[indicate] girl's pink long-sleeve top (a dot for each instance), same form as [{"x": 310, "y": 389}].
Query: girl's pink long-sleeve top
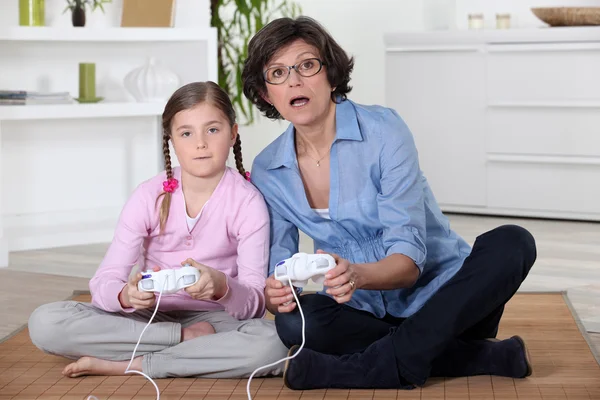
[{"x": 231, "y": 235}]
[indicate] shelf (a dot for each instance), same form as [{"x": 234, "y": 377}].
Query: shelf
[
  {"x": 460, "y": 37},
  {"x": 65, "y": 111},
  {"x": 111, "y": 34}
]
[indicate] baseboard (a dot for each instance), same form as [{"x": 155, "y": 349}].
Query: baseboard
[
  {"x": 58, "y": 229},
  {"x": 520, "y": 213},
  {"x": 592, "y": 324}
]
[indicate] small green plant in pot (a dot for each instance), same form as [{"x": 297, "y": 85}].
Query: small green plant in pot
[{"x": 77, "y": 8}]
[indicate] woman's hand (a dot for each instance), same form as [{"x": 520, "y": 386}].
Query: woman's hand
[
  {"x": 131, "y": 297},
  {"x": 341, "y": 280},
  {"x": 277, "y": 294},
  {"x": 212, "y": 284}
]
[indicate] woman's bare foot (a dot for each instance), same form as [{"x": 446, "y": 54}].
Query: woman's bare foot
[
  {"x": 96, "y": 366},
  {"x": 196, "y": 330}
]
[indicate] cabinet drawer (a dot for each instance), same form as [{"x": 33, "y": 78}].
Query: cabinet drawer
[
  {"x": 544, "y": 186},
  {"x": 543, "y": 130},
  {"x": 543, "y": 73}
]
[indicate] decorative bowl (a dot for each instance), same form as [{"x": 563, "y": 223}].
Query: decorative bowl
[{"x": 568, "y": 16}]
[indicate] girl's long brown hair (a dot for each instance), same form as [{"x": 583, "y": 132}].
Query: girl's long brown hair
[{"x": 184, "y": 98}]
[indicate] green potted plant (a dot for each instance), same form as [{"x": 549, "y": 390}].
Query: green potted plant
[
  {"x": 237, "y": 21},
  {"x": 77, "y": 8}
]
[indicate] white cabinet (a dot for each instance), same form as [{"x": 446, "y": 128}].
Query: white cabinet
[
  {"x": 506, "y": 122},
  {"x": 433, "y": 97}
]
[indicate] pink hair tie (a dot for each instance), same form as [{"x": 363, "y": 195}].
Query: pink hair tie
[
  {"x": 248, "y": 176},
  {"x": 170, "y": 185}
]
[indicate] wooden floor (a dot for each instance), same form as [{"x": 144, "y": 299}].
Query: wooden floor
[{"x": 563, "y": 368}]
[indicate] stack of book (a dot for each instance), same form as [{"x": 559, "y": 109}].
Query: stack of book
[{"x": 24, "y": 97}]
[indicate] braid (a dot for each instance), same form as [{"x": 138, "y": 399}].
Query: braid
[
  {"x": 167, "y": 155},
  {"x": 166, "y": 203},
  {"x": 237, "y": 152}
]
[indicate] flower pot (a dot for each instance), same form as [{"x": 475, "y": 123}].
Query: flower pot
[{"x": 78, "y": 16}]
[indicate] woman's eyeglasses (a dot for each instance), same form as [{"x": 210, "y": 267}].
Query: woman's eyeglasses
[{"x": 277, "y": 75}]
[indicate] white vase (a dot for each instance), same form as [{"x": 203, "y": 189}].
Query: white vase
[{"x": 151, "y": 82}]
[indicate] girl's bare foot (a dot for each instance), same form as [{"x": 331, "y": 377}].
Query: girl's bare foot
[
  {"x": 196, "y": 330},
  {"x": 96, "y": 366}
]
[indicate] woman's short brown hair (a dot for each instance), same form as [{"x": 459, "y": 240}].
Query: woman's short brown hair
[{"x": 281, "y": 32}]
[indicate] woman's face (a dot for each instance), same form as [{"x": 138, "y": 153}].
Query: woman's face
[{"x": 299, "y": 99}]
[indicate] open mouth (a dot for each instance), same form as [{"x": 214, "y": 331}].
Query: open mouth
[{"x": 299, "y": 101}]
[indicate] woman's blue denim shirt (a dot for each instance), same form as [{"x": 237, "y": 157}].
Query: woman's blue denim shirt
[{"x": 380, "y": 203}]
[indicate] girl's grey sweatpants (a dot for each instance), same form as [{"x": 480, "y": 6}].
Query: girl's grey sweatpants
[{"x": 73, "y": 329}]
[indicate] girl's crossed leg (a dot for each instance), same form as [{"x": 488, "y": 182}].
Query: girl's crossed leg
[{"x": 176, "y": 344}]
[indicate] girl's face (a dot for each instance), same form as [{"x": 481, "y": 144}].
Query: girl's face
[
  {"x": 202, "y": 137},
  {"x": 300, "y": 100}
]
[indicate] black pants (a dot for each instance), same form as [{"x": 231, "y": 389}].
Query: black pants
[{"x": 468, "y": 307}]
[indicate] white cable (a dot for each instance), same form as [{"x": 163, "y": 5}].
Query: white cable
[
  {"x": 127, "y": 370},
  {"x": 286, "y": 358}
]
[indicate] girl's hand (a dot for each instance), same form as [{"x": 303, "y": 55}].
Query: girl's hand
[
  {"x": 212, "y": 284},
  {"x": 277, "y": 295},
  {"x": 131, "y": 297},
  {"x": 341, "y": 280}
]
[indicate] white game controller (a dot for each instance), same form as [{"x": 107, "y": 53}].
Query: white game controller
[
  {"x": 302, "y": 266},
  {"x": 173, "y": 280}
]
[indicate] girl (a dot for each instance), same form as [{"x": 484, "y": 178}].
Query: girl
[{"x": 202, "y": 213}]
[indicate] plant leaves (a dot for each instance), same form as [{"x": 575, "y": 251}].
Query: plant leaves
[{"x": 235, "y": 28}]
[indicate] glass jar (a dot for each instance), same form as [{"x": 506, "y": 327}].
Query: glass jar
[
  {"x": 502, "y": 21},
  {"x": 475, "y": 21}
]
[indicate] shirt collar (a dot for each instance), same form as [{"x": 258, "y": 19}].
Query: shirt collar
[{"x": 347, "y": 128}]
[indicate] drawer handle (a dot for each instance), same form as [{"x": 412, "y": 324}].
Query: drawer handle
[{"x": 541, "y": 159}]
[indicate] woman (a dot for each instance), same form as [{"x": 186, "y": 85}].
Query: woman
[{"x": 408, "y": 299}]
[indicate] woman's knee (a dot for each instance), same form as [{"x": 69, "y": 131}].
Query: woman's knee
[
  {"x": 519, "y": 239},
  {"x": 45, "y": 328},
  {"x": 318, "y": 310},
  {"x": 514, "y": 243}
]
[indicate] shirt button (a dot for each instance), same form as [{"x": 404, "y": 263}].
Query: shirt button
[
  {"x": 189, "y": 238},
  {"x": 188, "y": 243}
]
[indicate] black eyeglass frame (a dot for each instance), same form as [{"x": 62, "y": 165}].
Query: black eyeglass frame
[{"x": 294, "y": 67}]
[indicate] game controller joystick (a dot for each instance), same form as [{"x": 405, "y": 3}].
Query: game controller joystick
[
  {"x": 169, "y": 280},
  {"x": 302, "y": 266}
]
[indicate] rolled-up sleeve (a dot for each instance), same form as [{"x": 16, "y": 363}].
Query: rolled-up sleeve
[{"x": 401, "y": 201}]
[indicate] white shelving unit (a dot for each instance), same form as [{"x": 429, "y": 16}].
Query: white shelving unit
[
  {"x": 76, "y": 164},
  {"x": 69, "y": 111},
  {"x": 110, "y": 34}
]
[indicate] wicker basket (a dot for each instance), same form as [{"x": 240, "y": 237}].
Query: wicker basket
[{"x": 568, "y": 16}]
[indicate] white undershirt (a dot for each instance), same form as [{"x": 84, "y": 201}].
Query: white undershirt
[
  {"x": 191, "y": 222},
  {"x": 323, "y": 212}
]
